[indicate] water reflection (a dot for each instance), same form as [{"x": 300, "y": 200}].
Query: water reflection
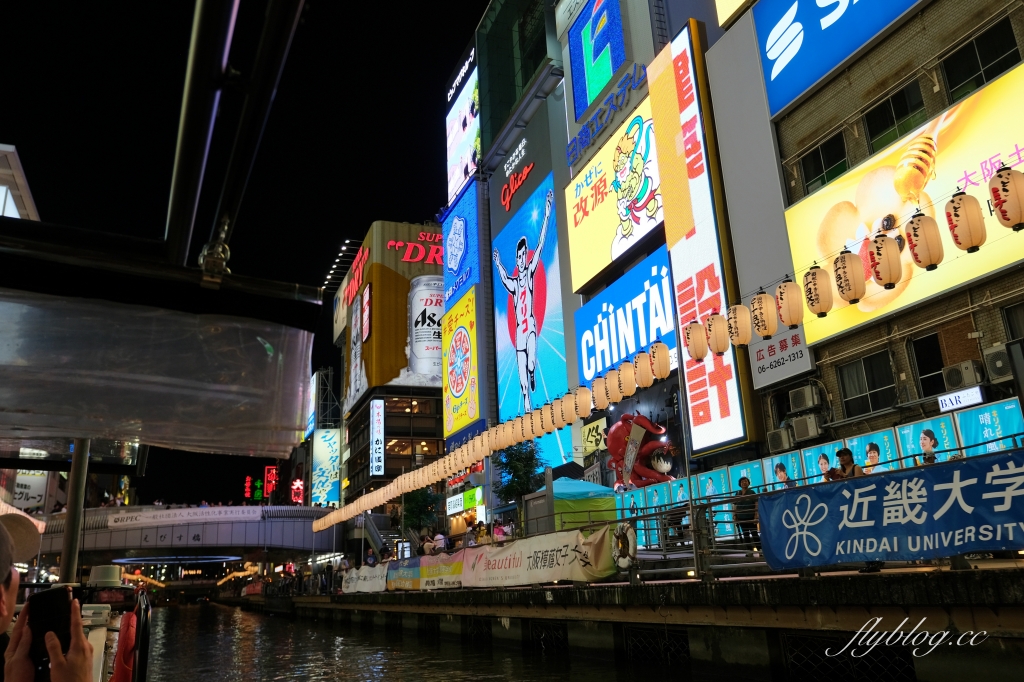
[{"x": 212, "y": 642}]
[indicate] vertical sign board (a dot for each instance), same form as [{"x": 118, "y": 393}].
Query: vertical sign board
[
  {"x": 597, "y": 49},
  {"x": 695, "y": 236},
  {"x": 627, "y": 318},
  {"x": 462, "y": 122},
  {"x": 801, "y": 43},
  {"x": 29, "y": 489},
  {"x": 529, "y": 333},
  {"x": 326, "y": 485},
  {"x": 461, "y": 376},
  {"x": 461, "y": 229},
  {"x": 311, "y": 406},
  {"x": 376, "y": 437}
]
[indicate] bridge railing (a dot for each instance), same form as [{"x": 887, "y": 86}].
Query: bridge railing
[{"x": 99, "y": 518}]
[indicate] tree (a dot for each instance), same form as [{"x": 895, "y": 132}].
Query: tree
[
  {"x": 421, "y": 508},
  {"x": 519, "y": 466}
]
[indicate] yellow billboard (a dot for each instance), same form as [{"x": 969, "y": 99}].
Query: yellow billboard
[
  {"x": 616, "y": 199},
  {"x": 460, "y": 355},
  {"x": 960, "y": 149}
]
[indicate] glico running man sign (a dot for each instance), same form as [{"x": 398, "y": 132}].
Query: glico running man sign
[{"x": 927, "y": 512}]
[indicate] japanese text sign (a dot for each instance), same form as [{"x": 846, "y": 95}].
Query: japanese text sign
[
  {"x": 376, "y": 437},
  {"x": 990, "y": 422},
  {"x": 460, "y": 357},
  {"x": 461, "y": 229},
  {"x": 326, "y": 486}
]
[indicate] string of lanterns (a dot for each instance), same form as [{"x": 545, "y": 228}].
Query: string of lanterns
[
  {"x": 611, "y": 388},
  {"x": 966, "y": 222}
]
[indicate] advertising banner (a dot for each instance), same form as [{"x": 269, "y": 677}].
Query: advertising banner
[
  {"x": 597, "y": 49},
  {"x": 592, "y": 435},
  {"x": 615, "y": 199},
  {"x": 627, "y": 318},
  {"x": 819, "y": 459},
  {"x": 326, "y": 484},
  {"x": 441, "y": 571},
  {"x": 712, "y": 484},
  {"x": 657, "y": 495},
  {"x": 988, "y": 422},
  {"x": 928, "y": 512},
  {"x": 454, "y": 504},
  {"x": 29, "y": 489},
  {"x": 782, "y": 472},
  {"x": 802, "y": 43},
  {"x": 461, "y": 230},
  {"x": 962, "y": 148},
  {"x": 694, "y": 237},
  {"x": 376, "y": 437},
  {"x": 679, "y": 492},
  {"x": 366, "y": 579},
  {"x": 875, "y": 452},
  {"x": 752, "y": 471},
  {"x": 461, "y": 378},
  {"x": 311, "y": 400},
  {"x": 167, "y": 517},
  {"x": 928, "y": 436},
  {"x": 462, "y": 122},
  {"x": 404, "y": 574},
  {"x": 631, "y": 504},
  {"x": 565, "y": 556},
  {"x": 398, "y": 342},
  {"x": 781, "y": 357},
  {"x": 529, "y": 333}
]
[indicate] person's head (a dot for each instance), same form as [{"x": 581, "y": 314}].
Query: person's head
[
  {"x": 823, "y": 464},
  {"x": 369, "y": 551},
  {"x": 744, "y": 482},
  {"x": 845, "y": 456},
  {"x": 19, "y": 541},
  {"x": 521, "y": 251},
  {"x": 780, "y": 472},
  {"x": 928, "y": 441},
  {"x": 873, "y": 453}
]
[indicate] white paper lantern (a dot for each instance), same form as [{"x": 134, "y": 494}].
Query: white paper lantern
[
  {"x": 696, "y": 339},
  {"x": 818, "y": 291},
  {"x": 966, "y": 222},
  {"x": 559, "y": 416},
  {"x": 519, "y": 430},
  {"x": 584, "y": 402},
  {"x": 492, "y": 439},
  {"x": 661, "y": 363},
  {"x": 884, "y": 261},
  {"x": 643, "y": 370},
  {"x": 1007, "y": 192},
  {"x": 627, "y": 379},
  {"x": 569, "y": 406},
  {"x": 600, "y": 394},
  {"x": 924, "y": 241},
  {"x": 547, "y": 414},
  {"x": 789, "y": 304},
  {"x": 716, "y": 328},
  {"x": 739, "y": 325},
  {"x": 849, "y": 273},
  {"x": 536, "y": 426},
  {"x": 611, "y": 386},
  {"x": 763, "y": 315}
]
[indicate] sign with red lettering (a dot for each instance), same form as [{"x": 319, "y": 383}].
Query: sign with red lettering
[
  {"x": 269, "y": 479},
  {"x": 515, "y": 181}
]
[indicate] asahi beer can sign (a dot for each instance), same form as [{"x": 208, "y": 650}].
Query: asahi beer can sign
[{"x": 426, "y": 306}]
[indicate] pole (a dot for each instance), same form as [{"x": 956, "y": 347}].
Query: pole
[
  {"x": 401, "y": 523},
  {"x": 76, "y": 511}
]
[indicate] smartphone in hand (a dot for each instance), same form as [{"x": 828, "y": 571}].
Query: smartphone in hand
[{"x": 50, "y": 612}]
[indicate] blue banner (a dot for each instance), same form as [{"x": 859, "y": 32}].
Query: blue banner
[
  {"x": 925, "y": 512},
  {"x": 461, "y": 230},
  {"x": 875, "y": 452},
  {"x": 986, "y": 423},
  {"x": 782, "y": 471},
  {"x": 928, "y": 438}
]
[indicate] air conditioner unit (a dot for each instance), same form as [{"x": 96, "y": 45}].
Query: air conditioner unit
[
  {"x": 804, "y": 398},
  {"x": 997, "y": 364},
  {"x": 806, "y": 427},
  {"x": 962, "y": 375},
  {"x": 781, "y": 440}
]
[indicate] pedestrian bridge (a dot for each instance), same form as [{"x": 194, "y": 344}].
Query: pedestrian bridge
[{"x": 120, "y": 534}]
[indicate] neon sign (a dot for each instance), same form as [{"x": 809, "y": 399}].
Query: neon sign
[
  {"x": 298, "y": 491},
  {"x": 515, "y": 181},
  {"x": 414, "y": 252},
  {"x": 270, "y": 479}
]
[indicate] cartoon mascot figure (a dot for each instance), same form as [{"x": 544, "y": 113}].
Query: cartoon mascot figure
[
  {"x": 653, "y": 461},
  {"x": 636, "y": 185}
]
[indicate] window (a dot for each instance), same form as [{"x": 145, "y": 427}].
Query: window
[
  {"x": 981, "y": 60},
  {"x": 824, "y": 163},
  {"x": 409, "y": 405},
  {"x": 895, "y": 117},
  {"x": 867, "y": 385},
  {"x": 1014, "y": 322},
  {"x": 928, "y": 358}
]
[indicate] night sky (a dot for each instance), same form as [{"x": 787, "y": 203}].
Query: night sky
[{"x": 92, "y": 100}]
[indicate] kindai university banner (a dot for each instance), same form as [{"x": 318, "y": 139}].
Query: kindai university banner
[{"x": 925, "y": 512}]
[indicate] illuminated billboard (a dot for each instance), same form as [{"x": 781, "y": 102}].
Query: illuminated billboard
[
  {"x": 462, "y": 123},
  {"x": 962, "y": 148},
  {"x": 461, "y": 378},
  {"x": 626, "y": 318},
  {"x": 326, "y": 486},
  {"x": 311, "y": 406},
  {"x": 716, "y": 388},
  {"x": 529, "y": 331},
  {"x": 394, "y": 298},
  {"x": 461, "y": 229},
  {"x": 597, "y": 48},
  {"x": 615, "y": 199}
]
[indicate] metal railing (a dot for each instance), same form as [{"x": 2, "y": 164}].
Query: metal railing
[{"x": 98, "y": 518}]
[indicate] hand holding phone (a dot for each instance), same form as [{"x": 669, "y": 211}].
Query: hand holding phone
[{"x": 74, "y": 666}]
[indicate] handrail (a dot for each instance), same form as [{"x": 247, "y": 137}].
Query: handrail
[{"x": 97, "y": 518}]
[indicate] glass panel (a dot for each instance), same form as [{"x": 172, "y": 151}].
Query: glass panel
[
  {"x": 1015, "y": 321},
  {"x": 815, "y": 184},
  {"x": 879, "y": 119},
  {"x": 883, "y": 399},
  {"x": 812, "y": 166},
  {"x": 961, "y": 67},
  {"x": 833, "y": 150},
  {"x": 398, "y": 446},
  {"x": 878, "y": 370},
  {"x": 994, "y": 43},
  {"x": 911, "y": 122},
  {"x": 928, "y": 355},
  {"x": 856, "y": 407},
  {"x": 851, "y": 378},
  {"x": 933, "y": 384},
  {"x": 426, "y": 447},
  {"x": 997, "y": 68},
  {"x": 885, "y": 139},
  {"x": 835, "y": 171},
  {"x": 907, "y": 101}
]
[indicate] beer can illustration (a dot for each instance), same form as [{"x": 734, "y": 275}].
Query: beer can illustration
[{"x": 426, "y": 306}]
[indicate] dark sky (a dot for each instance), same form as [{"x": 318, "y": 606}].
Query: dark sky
[{"x": 92, "y": 99}]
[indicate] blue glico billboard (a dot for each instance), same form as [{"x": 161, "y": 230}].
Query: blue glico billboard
[
  {"x": 626, "y": 318},
  {"x": 803, "y": 41}
]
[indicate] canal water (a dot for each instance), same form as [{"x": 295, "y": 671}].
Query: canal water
[{"x": 213, "y": 642}]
